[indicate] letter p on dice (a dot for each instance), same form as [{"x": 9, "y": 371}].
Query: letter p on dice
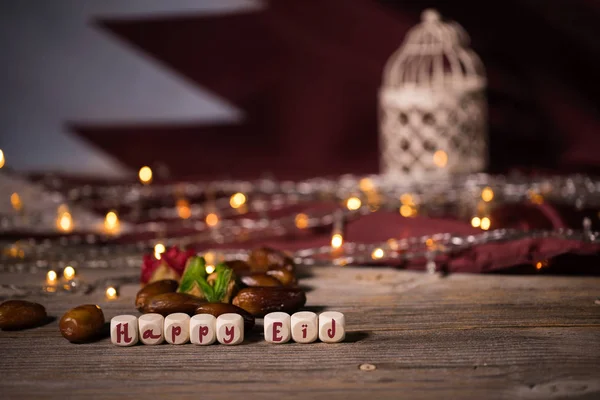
[
  {"x": 124, "y": 330},
  {"x": 177, "y": 328},
  {"x": 332, "y": 327}
]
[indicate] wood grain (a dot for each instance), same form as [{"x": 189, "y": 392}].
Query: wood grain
[{"x": 462, "y": 336}]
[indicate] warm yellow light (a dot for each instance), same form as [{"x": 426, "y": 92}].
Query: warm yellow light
[
  {"x": 159, "y": 248},
  {"x": 535, "y": 197},
  {"x": 377, "y": 254},
  {"x": 475, "y": 222},
  {"x": 183, "y": 209},
  {"x": 111, "y": 293},
  {"x": 2, "y": 160},
  {"x": 366, "y": 185},
  {"x": 15, "y": 200},
  {"x": 210, "y": 269},
  {"x": 393, "y": 244},
  {"x": 69, "y": 273},
  {"x": 407, "y": 199},
  {"x": 145, "y": 175},
  {"x": 111, "y": 222},
  {"x": 336, "y": 241},
  {"x": 353, "y": 203},
  {"x": 487, "y": 194},
  {"x": 485, "y": 223},
  {"x": 429, "y": 243},
  {"x": 301, "y": 221},
  {"x": 237, "y": 200},
  {"x": 440, "y": 158},
  {"x": 212, "y": 219},
  {"x": 51, "y": 277},
  {"x": 407, "y": 211},
  {"x": 539, "y": 265},
  {"x": 64, "y": 221}
]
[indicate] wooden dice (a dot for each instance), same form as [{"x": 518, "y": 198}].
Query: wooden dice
[{"x": 227, "y": 329}]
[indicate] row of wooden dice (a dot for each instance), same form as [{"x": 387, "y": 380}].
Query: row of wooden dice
[{"x": 228, "y": 329}]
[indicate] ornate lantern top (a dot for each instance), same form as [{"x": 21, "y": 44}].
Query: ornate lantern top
[{"x": 435, "y": 54}]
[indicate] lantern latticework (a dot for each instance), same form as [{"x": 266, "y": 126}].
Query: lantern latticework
[{"x": 433, "y": 110}]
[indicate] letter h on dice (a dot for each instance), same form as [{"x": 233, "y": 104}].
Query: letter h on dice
[
  {"x": 124, "y": 330},
  {"x": 151, "y": 328},
  {"x": 277, "y": 327}
]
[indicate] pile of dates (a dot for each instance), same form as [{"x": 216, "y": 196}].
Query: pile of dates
[{"x": 264, "y": 283}]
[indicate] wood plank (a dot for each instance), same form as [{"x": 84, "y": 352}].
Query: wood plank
[{"x": 472, "y": 336}]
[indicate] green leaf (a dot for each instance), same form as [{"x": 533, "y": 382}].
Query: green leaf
[
  {"x": 224, "y": 275},
  {"x": 193, "y": 274}
]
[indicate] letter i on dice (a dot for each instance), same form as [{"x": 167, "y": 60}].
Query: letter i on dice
[
  {"x": 124, "y": 330},
  {"x": 332, "y": 327},
  {"x": 230, "y": 329},
  {"x": 277, "y": 327},
  {"x": 177, "y": 328},
  {"x": 151, "y": 328},
  {"x": 305, "y": 327},
  {"x": 203, "y": 329}
]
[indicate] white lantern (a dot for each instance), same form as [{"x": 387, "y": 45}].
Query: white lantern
[{"x": 433, "y": 110}]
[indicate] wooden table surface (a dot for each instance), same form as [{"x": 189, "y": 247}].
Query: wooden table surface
[{"x": 430, "y": 337}]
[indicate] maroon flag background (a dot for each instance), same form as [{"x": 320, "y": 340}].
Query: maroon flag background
[{"x": 305, "y": 73}]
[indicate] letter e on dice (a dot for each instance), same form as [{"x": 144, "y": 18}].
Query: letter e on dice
[{"x": 277, "y": 327}]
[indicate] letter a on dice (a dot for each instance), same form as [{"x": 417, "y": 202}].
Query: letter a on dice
[
  {"x": 151, "y": 328},
  {"x": 277, "y": 327},
  {"x": 177, "y": 328},
  {"x": 305, "y": 327},
  {"x": 124, "y": 330},
  {"x": 332, "y": 327},
  {"x": 230, "y": 329},
  {"x": 203, "y": 329}
]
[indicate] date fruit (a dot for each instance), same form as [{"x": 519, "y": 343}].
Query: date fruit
[
  {"x": 217, "y": 309},
  {"x": 170, "y": 303},
  {"x": 153, "y": 289},
  {"x": 263, "y": 259},
  {"x": 239, "y": 267},
  {"x": 260, "y": 301},
  {"x": 256, "y": 280},
  {"x": 82, "y": 324},
  {"x": 20, "y": 314},
  {"x": 287, "y": 278}
]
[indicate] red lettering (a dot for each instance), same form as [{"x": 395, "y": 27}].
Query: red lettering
[
  {"x": 123, "y": 330},
  {"x": 229, "y": 332},
  {"x": 148, "y": 334},
  {"x": 276, "y": 326},
  {"x": 175, "y": 331},
  {"x": 203, "y": 331},
  {"x": 304, "y": 326},
  {"x": 331, "y": 332}
]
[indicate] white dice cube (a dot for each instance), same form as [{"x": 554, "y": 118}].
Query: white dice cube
[
  {"x": 124, "y": 330},
  {"x": 332, "y": 327},
  {"x": 151, "y": 328},
  {"x": 203, "y": 329},
  {"x": 177, "y": 328},
  {"x": 230, "y": 329},
  {"x": 305, "y": 327},
  {"x": 277, "y": 327}
]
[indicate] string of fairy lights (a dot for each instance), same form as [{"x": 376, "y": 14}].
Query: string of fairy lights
[{"x": 231, "y": 212}]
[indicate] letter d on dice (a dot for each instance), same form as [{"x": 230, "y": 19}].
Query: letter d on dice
[
  {"x": 277, "y": 327},
  {"x": 332, "y": 327},
  {"x": 230, "y": 329},
  {"x": 124, "y": 330},
  {"x": 177, "y": 328}
]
